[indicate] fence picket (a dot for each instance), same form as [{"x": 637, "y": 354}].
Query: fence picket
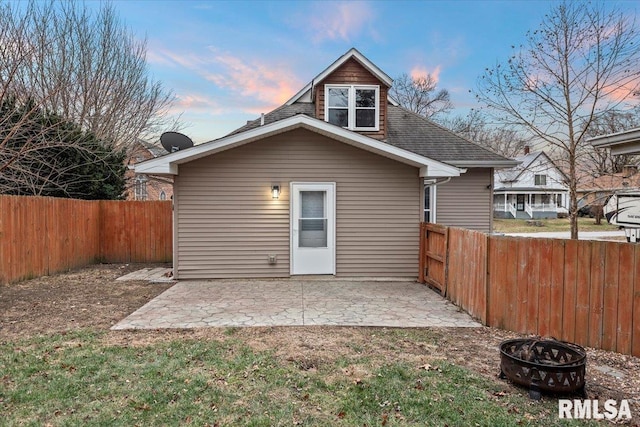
[
  {"x": 570, "y": 291},
  {"x": 595, "y": 294},
  {"x": 556, "y": 306},
  {"x": 625, "y": 298},
  {"x": 610, "y": 296}
]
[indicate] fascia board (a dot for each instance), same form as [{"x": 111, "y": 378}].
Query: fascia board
[
  {"x": 485, "y": 163},
  {"x": 169, "y": 164}
]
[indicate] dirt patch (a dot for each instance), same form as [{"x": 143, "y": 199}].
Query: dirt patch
[
  {"x": 91, "y": 298},
  {"x": 85, "y": 298}
]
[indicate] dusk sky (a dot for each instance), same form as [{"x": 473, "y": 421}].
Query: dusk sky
[{"x": 227, "y": 62}]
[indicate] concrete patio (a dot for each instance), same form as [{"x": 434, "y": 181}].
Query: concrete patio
[{"x": 297, "y": 302}]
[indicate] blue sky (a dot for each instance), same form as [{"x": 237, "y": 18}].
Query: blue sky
[{"x": 227, "y": 62}]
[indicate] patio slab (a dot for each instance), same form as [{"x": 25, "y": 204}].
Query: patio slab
[{"x": 297, "y": 302}]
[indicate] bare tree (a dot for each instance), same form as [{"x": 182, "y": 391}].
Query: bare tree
[
  {"x": 87, "y": 67},
  {"x": 58, "y": 60},
  {"x": 420, "y": 95},
  {"x": 581, "y": 62},
  {"x": 504, "y": 140}
]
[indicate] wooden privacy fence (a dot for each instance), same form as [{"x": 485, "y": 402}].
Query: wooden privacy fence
[
  {"x": 587, "y": 292},
  {"x": 44, "y": 235}
]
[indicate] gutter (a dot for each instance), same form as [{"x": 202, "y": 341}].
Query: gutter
[
  {"x": 628, "y": 136},
  {"x": 484, "y": 163}
]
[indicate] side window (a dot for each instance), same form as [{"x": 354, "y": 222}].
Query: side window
[{"x": 429, "y": 204}]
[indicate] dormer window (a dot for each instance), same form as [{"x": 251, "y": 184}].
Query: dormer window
[{"x": 353, "y": 107}]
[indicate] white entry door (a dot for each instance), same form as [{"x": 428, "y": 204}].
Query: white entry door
[{"x": 313, "y": 228}]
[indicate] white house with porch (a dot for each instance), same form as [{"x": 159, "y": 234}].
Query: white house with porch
[{"x": 534, "y": 189}]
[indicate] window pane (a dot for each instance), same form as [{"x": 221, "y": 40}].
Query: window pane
[
  {"x": 427, "y": 197},
  {"x": 365, "y": 98},
  {"x": 339, "y": 117},
  {"x": 312, "y": 204},
  {"x": 365, "y": 118},
  {"x": 313, "y": 233},
  {"x": 541, "y": 180},
  {"x": 338, "y": 97}
]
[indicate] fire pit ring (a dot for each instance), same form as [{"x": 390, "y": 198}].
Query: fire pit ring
[{"x": 544, "y": 365}]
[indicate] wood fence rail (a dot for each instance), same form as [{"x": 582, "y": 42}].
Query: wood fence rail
[
  {"x": 45, "y": 235},
  {"x": 587, "y": 292}
]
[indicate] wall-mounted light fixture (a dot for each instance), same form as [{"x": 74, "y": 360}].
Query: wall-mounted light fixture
[{"x": 275, "y": 191}]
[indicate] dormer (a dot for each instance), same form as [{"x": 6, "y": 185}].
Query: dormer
[{"x": 350, "y": 93}]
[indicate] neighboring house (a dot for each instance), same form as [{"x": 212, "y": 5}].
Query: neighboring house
[
  {"x": 143, "y": 186},
  {"x": 534, "y": 189},
  {"x": 595, "y": 191},
  {"x": 335, "y": 181}
]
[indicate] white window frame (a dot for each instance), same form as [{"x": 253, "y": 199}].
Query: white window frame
[
  {"x": 432, "y": 204},
  {"x": 351, "y": 105}
]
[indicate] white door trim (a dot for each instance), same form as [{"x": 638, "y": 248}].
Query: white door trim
[{"x": 330, "y": 188}]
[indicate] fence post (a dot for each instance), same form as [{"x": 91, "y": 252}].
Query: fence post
[
  {"x": 487, "y": 282},
  {"x": 445, "y": 254},
  {"x": 421, "y": 253}
]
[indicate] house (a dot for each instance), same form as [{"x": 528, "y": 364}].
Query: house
[
  {"x": 336, "y": 181},
  {"x": 143, "y": 186},
  {"x": 534, "y": 189}
]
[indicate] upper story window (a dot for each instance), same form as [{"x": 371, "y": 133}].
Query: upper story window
[
  {"x": 353, "y": 107},
  {"x": 540, "y": 179}
]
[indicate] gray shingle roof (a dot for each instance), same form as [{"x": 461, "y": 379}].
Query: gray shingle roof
[
  {"x": 410, "y": 132},
  {"x": 415, "y": 133},
  {"x": 278, "y": 114}
]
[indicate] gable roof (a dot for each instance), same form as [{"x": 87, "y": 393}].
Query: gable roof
[
  {"x": 169, "y": 164},
  {"x": 351, "y": 53},
  {"x": 526, "y": 161}
]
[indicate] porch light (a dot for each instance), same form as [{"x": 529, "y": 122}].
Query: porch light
[{"x": 275, "y": 191}]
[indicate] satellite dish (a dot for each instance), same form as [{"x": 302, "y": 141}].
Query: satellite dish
[{"x": 174, "y": 141}]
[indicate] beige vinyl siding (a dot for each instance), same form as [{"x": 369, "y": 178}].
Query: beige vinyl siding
[
  {"x": 227, "y": 223},
  {"x": 465, "y": 201}
]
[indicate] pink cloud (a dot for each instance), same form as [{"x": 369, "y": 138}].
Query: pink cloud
[
  {"x": 341, "y": 20},
  {"x": 196, "y": 102},
  {"x": 167, "y": 57},
  {"x": 268, "y": 85},
  {"x": 624, "y": 92},
  {"x": 421, "y": 72},
  {"x": 271, "y": 84}
]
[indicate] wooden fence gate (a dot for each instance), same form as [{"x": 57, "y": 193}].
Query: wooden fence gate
[{"x": 433, "y": 255}]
